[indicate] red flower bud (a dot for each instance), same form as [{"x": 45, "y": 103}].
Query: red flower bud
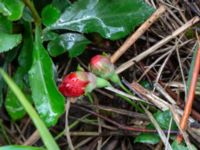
[
  {"x": 102, "y": 66},
  {"x": 78, "y": 83},
  {"x": 74, "y": 84}
]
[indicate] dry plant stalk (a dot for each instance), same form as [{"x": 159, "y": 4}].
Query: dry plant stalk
[
  {"x": 145, "y": 94},
  {"x": 33, "y": 138},
  {"x": 152, "y": 49},
  {"x": 137, "y": 34}
]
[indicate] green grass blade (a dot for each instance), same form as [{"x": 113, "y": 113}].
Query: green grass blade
[
  {"x": 20, "y": 147},
  {"x": 44, "y": 133},
  {"x": 191, "y": 68}
]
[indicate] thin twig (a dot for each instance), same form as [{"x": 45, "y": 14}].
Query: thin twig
[
  {"x": 162, "y": 67},
  {"x": 121, "y": 126},
  {"x": 67, "y": 132},
  {"x": 125, "y": 94},
  {"x": 164, "y": 93},
  {"x": 137, "y": 34}
]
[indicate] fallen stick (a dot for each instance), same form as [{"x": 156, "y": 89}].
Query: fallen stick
[
  {"x": 152, "y": 49},
  {"x": 137, "y": 34},
  {"x": 191, "y": 94}
]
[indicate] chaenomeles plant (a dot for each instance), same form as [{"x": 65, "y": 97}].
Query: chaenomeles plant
[{"x": 35, "y": 71}]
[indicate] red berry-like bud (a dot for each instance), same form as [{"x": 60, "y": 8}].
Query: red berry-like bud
[
  {"x": 78, "y": 83},
  {"x": 74, "y": 84},
  {"x": 102, "y": 66}
]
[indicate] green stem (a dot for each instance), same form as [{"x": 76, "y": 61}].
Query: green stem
[
  {"x": 124, "y": 88},
  {"x": 90, "y": 97},
  {"x": 35, "y": 14},
  {"x": 128, "y": 100},
  {"x": 131, "y": 103}
]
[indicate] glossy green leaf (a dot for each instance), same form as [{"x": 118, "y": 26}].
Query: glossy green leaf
[
  {"x": 163, "y": 118},
  {"x": 61, "y": 4},
  {"x": 5, "y": 25},
  {"x": 181, "y": 146},
  {"x": 13, "y": 9},
  {"x": 9, "y": 41},
  {"x": 50, "y": 14},
  {"x": 111, "y": 19},
  {"x": 74, "y": 43},
  {"x": 42, "y": 129},
  {"x": 49, "y": 36},
  {"x": 47, "y": 99},
  {"x": 148, "y": 138},
  {"x": 19, "y": 147},
  {"x": 12, "y": 104}
]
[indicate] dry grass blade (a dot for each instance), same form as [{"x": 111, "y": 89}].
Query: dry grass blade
[
  {"x": 158, "y": 102},
  {"x": 152, "y": 49}
]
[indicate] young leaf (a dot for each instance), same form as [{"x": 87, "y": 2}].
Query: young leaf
[
  {"x": 13, "y": 9},
  {"x": 44, "y": 133},
  {"x": 74, "y": 43},
  {"x": 47, "y": 99},
  {"x": 163, "y": 119},
  {"x": 12, "y": 104},
  {"x": 111, "y": 19},
  {"x": 19, "y": 147},
  {"x": 50, "y": 14},
  {"x": 146, "y": 84},
  {"x": 149, "y": 138},
  {"x": 9, "y": 41}
]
